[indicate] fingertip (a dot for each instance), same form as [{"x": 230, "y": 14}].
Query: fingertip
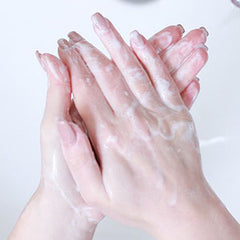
[
  {"x": 95, "y": 16},
  {"x": 197, "y": 36},
  {"x": 41, "y": 60},
  {"x": 205, "y": 31},
  {"x": 38, "y": 54},
  {"x": 181, "y": 28},
  {"x": 166, "y": 38},
  {"x": 137, "y": 40},
  {"x": 63, "y": 43},
  {"x": 74, "y": 37},
  {"x": 197, "y": 79},
  {"x": 191, "y": 92}
]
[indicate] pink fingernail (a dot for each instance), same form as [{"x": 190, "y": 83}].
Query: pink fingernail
[
  {"x": 67, "y": 133},
  {"x": 203, "y": 46},
  {"x": 41, "y": 60},
  {"x": 197, "y": 79},
  {"x": 101, "y": 23},
  {"x": 181, "y": 28},
  {"x": 137, "y": 39},
  {"x": 75, "y": 37},
  {"x": 63, "y": 43},
  {"x": 204, "y": 31}
]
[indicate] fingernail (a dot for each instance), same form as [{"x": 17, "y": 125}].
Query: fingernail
[
  {"x": 101, "y": 23},
  {"x": 54, "y": 67},
  {"x": 75, "y": 37},
  {"x": 181, "y": 28},
  {"x": 63, "y": 43},
  {"x": 204, "y": 31},
  {"x": 137, "y": 39},
  {"x": 197, "y": 79},
  {"x": 67, "y": 133},
  {"x": 203, "y": 46},
  {"x": 41, "y": 60}
]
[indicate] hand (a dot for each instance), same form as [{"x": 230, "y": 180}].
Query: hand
[
  {"x": 184, "y": 57},
  {"x": 150, "y": 172},
  {"x": 57, "y": 210},
  {"x": 57, "y": 188}
]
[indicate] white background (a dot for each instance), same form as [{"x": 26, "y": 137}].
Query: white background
[{"x": 29, "y": 25}]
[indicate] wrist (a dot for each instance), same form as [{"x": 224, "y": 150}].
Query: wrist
[
  {"x": 204, "y": 217},
  {"x": 46, "y": 217}
]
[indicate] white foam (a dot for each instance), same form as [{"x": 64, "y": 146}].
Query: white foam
[
  {"x": 109, "y": 68},
  {"x": 135, "y": 74},
  {"x": 173, "y": 200},
  {"x": 112, "y": 139},
  {"x": 130, "y": 113},
  {"x": 213, "y": 141},
  {"x": 163, "y": 87},
  {"x": 166, "y": 37},
  {"x": 88, "y": 80}
]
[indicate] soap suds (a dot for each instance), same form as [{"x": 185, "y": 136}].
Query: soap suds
[
  {"x": 109, "y": 68},
  {"x": 88, "y": 81},
  {"x": 213, "y": 141},
  {"x": 173, "y": 200},
  {"x": 112, "y": 139},
  {"x": 165, "y": 38},
  {"x": 163, "y": 87},
  {"x": 53, "y": 183},
  {"x": 130, "y": 113},
  {"x": 135, "y": 74}
]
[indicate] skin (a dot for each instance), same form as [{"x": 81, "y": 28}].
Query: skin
[
  {"x": 58, "y": 196},
  {"x": 148, "y": 173}
]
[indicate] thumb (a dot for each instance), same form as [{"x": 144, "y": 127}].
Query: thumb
[{"x": 82, "y": 163}]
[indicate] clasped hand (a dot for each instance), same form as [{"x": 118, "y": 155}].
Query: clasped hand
[
  {"x": 139, "y": 160},
  {"x": 117, "y": 139}
]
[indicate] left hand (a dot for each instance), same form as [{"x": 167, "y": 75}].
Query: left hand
[{"x": 56, "y": 210}]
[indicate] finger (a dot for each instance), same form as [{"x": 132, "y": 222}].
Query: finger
[
  {"x": 190, "y": 93},
  {"x": 81, "y": 163},
  {"x": 90, "y": 101},
  {"x": 166, "y": 37},
  {"x": 134, "y": 74},
  {"x": 175, "y": 56},
  {"x": 76, "y": 118},
  {"x": 59, "y": 90},
  {"x": 107, "y": 75},
  {"x": 157, "y": 71},
  {"x": 190, "y": 68}
]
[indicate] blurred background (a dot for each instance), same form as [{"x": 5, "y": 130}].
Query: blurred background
[{"x": 29, "y": 25}]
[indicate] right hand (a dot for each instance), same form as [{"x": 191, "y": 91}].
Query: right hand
[{"x": 150, "y": 172}]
